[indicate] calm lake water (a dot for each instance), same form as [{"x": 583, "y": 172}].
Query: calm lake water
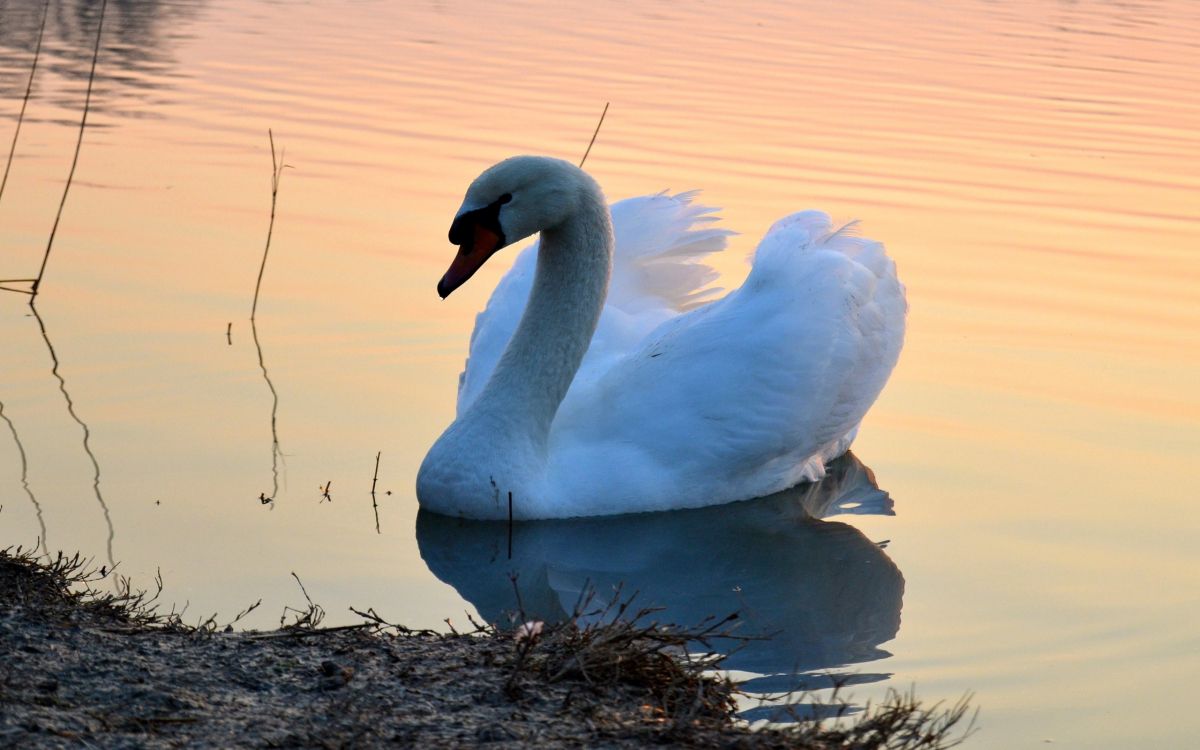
[{"x": 1027, "y": 526}]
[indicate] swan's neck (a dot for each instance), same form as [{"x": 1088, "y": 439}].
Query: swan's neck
[{"x": 569, "y": 287}]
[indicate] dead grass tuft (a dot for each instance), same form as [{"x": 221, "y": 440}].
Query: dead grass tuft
[
  {"x": 68, "y": 586},
  {"x": 610, "y": 676}
]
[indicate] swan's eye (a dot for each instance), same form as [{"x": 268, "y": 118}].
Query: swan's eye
[{"x": 504, "y": 198}]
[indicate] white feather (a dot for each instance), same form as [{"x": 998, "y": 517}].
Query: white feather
[{"x": 745, "y": 396}]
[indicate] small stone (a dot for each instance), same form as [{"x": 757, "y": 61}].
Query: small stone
[
  {"x": 493, "y": 733},
  {"x": 335, "y": 675}
]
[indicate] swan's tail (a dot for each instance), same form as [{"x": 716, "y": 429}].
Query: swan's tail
[{"x": 661, "y": 241}]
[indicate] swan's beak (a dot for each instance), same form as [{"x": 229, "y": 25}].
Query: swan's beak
[
  {"x": 478, "y": 236},
  {"x": 470, "y": 259}
]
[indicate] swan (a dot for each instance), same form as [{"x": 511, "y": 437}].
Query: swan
[{"x": 582, "y": 397}]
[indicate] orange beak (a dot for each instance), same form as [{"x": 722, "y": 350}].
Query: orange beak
[{"x": 471, "y": 257}]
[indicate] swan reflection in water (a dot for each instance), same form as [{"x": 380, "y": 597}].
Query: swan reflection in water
[{"x": 825, "y": 594}]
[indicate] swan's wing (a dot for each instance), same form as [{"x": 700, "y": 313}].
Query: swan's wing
[
  {"x": 660, "y": 243},
  {"x": 754, "y": 391}
]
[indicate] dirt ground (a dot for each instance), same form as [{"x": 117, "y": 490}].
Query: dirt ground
[{"x": 80, "y": 668}]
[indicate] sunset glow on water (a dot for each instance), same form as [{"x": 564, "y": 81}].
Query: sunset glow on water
[{"x": 1033, "y": 167}]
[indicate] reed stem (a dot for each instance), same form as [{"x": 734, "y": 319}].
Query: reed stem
[
  {"x": 87, "y": 103},
  {"x": 37, "y": 51},
  {"x": 594, "y": 134}
]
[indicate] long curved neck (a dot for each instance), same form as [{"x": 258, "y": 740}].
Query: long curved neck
[{"x": 570, "y": 284}]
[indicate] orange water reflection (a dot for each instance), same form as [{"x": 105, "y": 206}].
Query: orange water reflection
[{"x": 1033, "y": 167}]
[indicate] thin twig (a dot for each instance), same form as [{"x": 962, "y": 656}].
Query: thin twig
[
  {"x": 307, "y": 619},
  {"x": 37, "y": 51},
  {"x": 87, "y": 103},
  {"x": 374, "y": 480},
  {"x": 513, "y": 578},
  {"x": 594, "y": 134},
  {"x": 242, "y": 614},
  {"x": 306, "y": 631},
  {"x": 277, "y": 166},
  {"x": 302, "y": 589}
]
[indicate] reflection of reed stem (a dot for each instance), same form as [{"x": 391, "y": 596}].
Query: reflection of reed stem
[
  {"x": 87, "y": 103},
  {"x": 87, "y": 434},
  {"x": 276, "y": 172},
  {"x": 275, "y": 452},
  {"x": 37, "y": 51},
  {"x": 37, "y": 507},
  {"x": 277, "y": 167}
]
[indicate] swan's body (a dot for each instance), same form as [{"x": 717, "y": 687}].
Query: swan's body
[{"x": 657, "y": 399}]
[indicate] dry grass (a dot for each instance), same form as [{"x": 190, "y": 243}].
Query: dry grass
[
  {"x": 68, "y": 587},
  {"x": 609, "y": 676}
]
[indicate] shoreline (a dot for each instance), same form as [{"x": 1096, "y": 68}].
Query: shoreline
[{"x": 88, "y": 668}]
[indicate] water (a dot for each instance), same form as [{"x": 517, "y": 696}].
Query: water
[{"x": 1033, "y": 167}]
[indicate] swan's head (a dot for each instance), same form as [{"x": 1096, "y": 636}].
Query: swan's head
[{"x": 507, "y": 203}]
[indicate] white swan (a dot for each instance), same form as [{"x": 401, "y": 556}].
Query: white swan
[{"x": 658, "y": 398}]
